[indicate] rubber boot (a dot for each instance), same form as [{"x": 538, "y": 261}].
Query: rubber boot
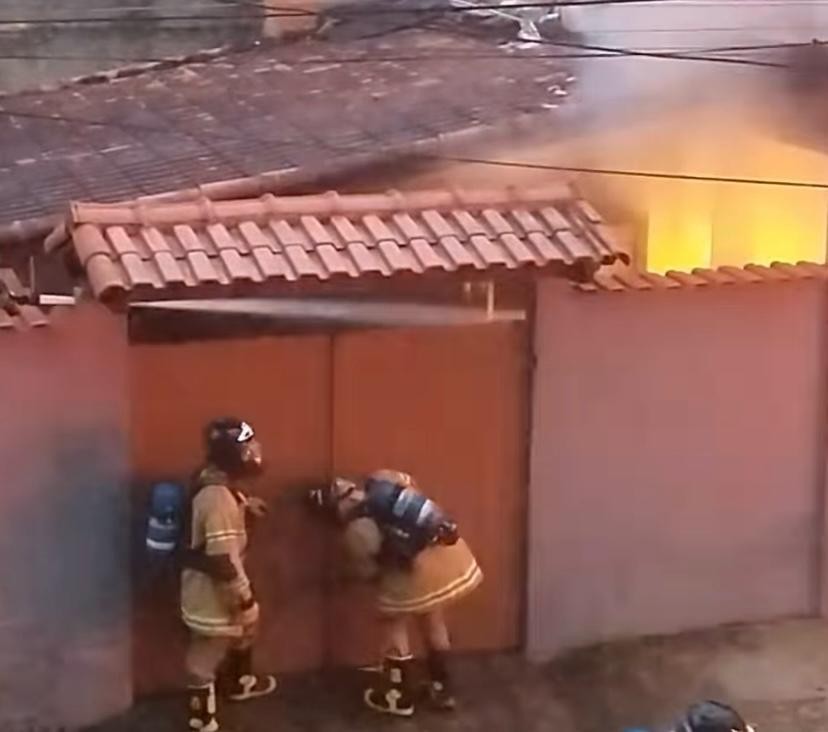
[
  {"x": 391, "y": 692},
  {"x": 224, "y": 677},
  {"x": 439, "y": 683},
  {"x": 203, "y": 708},
  {"x": 238, "y": 682}
]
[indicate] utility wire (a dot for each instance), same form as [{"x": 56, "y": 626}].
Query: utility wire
[
  {"x": 612, "y": 51},
  {"x": 119, "y": 59},
  {"x": 367, "y": 59},
  {"x": 339, "y": 12},
  {"x": 333, "y": 12},
  {"x": 271, "y": 11},
  {"x": 659, "y": 175},
  {"x": 133, "y": 19},
  {"x": 148, "y": 128},
  {"x": 589, "y": 51},
  {"x": 621, "y": 52},
  {"x": 537, "y": 4},
  {"x": 685, "y": 55}
]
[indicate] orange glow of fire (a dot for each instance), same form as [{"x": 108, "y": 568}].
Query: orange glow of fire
[
  {"x": 692, "y": 224},
  {"x": 680, "y": 228}
]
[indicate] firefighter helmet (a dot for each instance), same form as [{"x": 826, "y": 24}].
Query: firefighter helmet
[{"x": 232, "y": 446}]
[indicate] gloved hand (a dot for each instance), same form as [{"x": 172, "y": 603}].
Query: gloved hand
[
  {"x": 247, "y": 613},
  {"x": 257, "y": 506},
  {"x": 447, "y": 533}
]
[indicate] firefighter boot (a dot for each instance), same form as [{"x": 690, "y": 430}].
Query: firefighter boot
[
  {"x": 225, "y": 677},
  {"x": 439, "y": 684},
  {"x": 391, "y": 691},
  {"x": 203, "y": 708},
  {"x": 237, "y": 680}
]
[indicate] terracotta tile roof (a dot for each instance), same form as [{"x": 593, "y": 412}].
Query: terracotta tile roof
[
  {"x": 628, "y": 280},
  {"x": 288, "y": 114},
  {"x": 27, "y": 318},
  {"x": 162, "y": 251},
  {"x": 14, "y": 317}
]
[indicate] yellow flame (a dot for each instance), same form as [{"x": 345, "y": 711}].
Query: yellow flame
[
  {"x": 704, "y": 224},
  {"x": 679, "y": 228},
  {"x": 770, "y": 225},
  {"x": 764, "y": 224}
]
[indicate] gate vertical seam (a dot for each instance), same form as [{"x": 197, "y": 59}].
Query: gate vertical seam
[
  {"x": 329, "y": 588},
  {"x": 529, "y": 351}
]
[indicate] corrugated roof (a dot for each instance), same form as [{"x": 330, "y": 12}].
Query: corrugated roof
[
  {"x": 629, "y": 280},
  {"x": 14, "y": 318},
  {"x": 281, "y": 114},
  {"x": 159, "y": 251}
]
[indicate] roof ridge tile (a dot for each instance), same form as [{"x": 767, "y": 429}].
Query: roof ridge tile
[{"x": 316, "y": 238}]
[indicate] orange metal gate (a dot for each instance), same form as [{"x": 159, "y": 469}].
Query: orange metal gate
[{"x": 446, "y": 404}]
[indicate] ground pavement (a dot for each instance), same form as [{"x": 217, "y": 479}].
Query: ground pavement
[{"x": 776, "y": 673}]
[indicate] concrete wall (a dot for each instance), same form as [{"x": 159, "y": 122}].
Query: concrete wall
[
  {"x": 36, "y": 54},
  {"x": 64, "y": 585},
  {"x": 677, "y": 467}
]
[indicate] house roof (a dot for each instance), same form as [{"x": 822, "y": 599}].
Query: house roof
[
  {"x": 13, "y": 317},
  {"x": 629, "y": 280},
  {"x": 143, "y": 251},
  {"x": 25, "y": 319},
  {"x": 279, "y": 114}
]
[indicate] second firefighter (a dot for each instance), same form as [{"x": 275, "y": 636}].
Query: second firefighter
[{"x": 394, "y": 535}]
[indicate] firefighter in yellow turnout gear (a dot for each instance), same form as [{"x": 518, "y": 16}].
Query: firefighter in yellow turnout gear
[
  {"x": 217, "y": 601},
  {"x": 394, "y": 535}
]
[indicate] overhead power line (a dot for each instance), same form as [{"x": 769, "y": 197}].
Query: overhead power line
[
  {"x": 57, "y": 57},
  {"x": 609, "y": 53},
  {"x": 615, "y": 52},
  {"x": 132, "y": 19},
  {"x": 339, "y": 12},
  {"x": 588, "y": 51},
  {"x": 658, "y": 175},
  {"x": 682, "y": 55},
  {"x": 538, "y": 4},
  {"x": 622, "y": 52}
]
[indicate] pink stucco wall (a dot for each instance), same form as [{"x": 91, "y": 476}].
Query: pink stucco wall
[
  {"x": 677, "y": 464},
  {"x": 64, "y": 584}
]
